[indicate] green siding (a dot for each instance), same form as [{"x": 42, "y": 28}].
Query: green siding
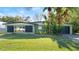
[
  {"x": 42, "y": 31},
  {"x": 36, "y": 28}
]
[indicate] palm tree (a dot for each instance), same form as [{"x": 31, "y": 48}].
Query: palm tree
[
  {"x": 49, "y": 17},
  {"x": 58, "y": 17},
  {"x": 59, "y": 14},
  {"x": 67, "y": 12},
  {"x": 62, "y": 14},
  {"x": 49, "y": 13}
]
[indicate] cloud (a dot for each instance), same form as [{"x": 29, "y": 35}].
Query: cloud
[
  {"x": 36, "y": 8},
  {"x": 22, "y": 12},
  {"x": 1, "y": 14}
]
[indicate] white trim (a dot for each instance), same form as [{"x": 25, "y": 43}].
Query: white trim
[
  {"x": 70, "y": 29},
  {"x": 19, "y": 24},
  {"x": 33, "y": 29}
]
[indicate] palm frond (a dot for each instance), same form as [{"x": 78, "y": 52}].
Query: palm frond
[{"x": 45, "y": 9}]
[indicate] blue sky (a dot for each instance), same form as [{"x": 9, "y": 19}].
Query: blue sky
[
  {"x": 13, "y": 11},
  {"x": 20, "y": 11}
]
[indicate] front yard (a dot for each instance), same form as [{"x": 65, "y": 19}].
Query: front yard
[{"x": 24, "y": 42}]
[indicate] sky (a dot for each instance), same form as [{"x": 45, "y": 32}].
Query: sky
[
  {"x": 13, "y": 11},
  {"x": 21, "y": 11}
]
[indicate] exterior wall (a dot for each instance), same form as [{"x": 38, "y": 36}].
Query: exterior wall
[
  {"x": 43, "y": 30},
  {"x": 39, "y": 29},
  {"x": 36, "y": 28},
  {"x": 24, "y": 26},
  {"x": 2, "y": 27}
]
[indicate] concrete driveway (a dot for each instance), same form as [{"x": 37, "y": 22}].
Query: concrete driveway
[{"x": 76, "y": 37}]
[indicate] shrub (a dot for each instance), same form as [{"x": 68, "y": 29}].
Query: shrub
[
  {"x": 75, "y": 24},
  {"x": 56, "y": 28}
]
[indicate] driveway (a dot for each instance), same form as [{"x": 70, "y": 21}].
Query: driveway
[{"x": 76, "y": 37}]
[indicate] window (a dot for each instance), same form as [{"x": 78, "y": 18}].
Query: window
[
  {"x": 10, "y": 28},
  {"x": 39, "y": 27},
  {"x": 28, "y": 28}
]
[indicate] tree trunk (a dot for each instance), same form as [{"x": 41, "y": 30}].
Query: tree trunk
[
  {"x": 49, "y": 20},
  {"x": 59, "y": 17}
]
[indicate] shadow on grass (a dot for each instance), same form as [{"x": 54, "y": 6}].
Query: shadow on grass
[
  {"x": 65, "y": 42},
  {"x": 21, "y": 36}
]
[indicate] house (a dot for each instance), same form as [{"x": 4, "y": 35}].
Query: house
[
  {"x": 33, "y": 27},
  {"x": 2, "y": 27},
  {"x": 66, "y": 29},
  {"x": 23, "y": 27}
]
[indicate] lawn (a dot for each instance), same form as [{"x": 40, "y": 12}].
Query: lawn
[{"x": 24, "y": 42}]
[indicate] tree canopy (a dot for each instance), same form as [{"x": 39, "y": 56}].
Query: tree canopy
[{"x": 63, "y": 15}]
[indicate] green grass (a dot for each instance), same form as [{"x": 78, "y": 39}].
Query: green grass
[{"x": 23, "y": 42}]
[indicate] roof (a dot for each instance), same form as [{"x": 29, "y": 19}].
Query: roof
[
  {"x": 22, "y": 23},
  {"x": 26, "y": 22}
]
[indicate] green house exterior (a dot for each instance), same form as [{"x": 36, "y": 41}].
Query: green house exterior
[
  {"x": 34, "y": 28},
  {"x": 29, "y": 27}
]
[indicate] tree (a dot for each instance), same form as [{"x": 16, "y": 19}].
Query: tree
[
  {"x": 7, "y": 19},
  {"x": 74, "y": 20},
  {"x": 49, "y": 18},
  {"x": 59, "y": 16},
  {"x": 67, "y": 13},
  {"x": 27, "y": 18},
  {"x": 11, "y": 19},
  {"x": 18, "y": 19},
  {"x": 38, "y": 17}
]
